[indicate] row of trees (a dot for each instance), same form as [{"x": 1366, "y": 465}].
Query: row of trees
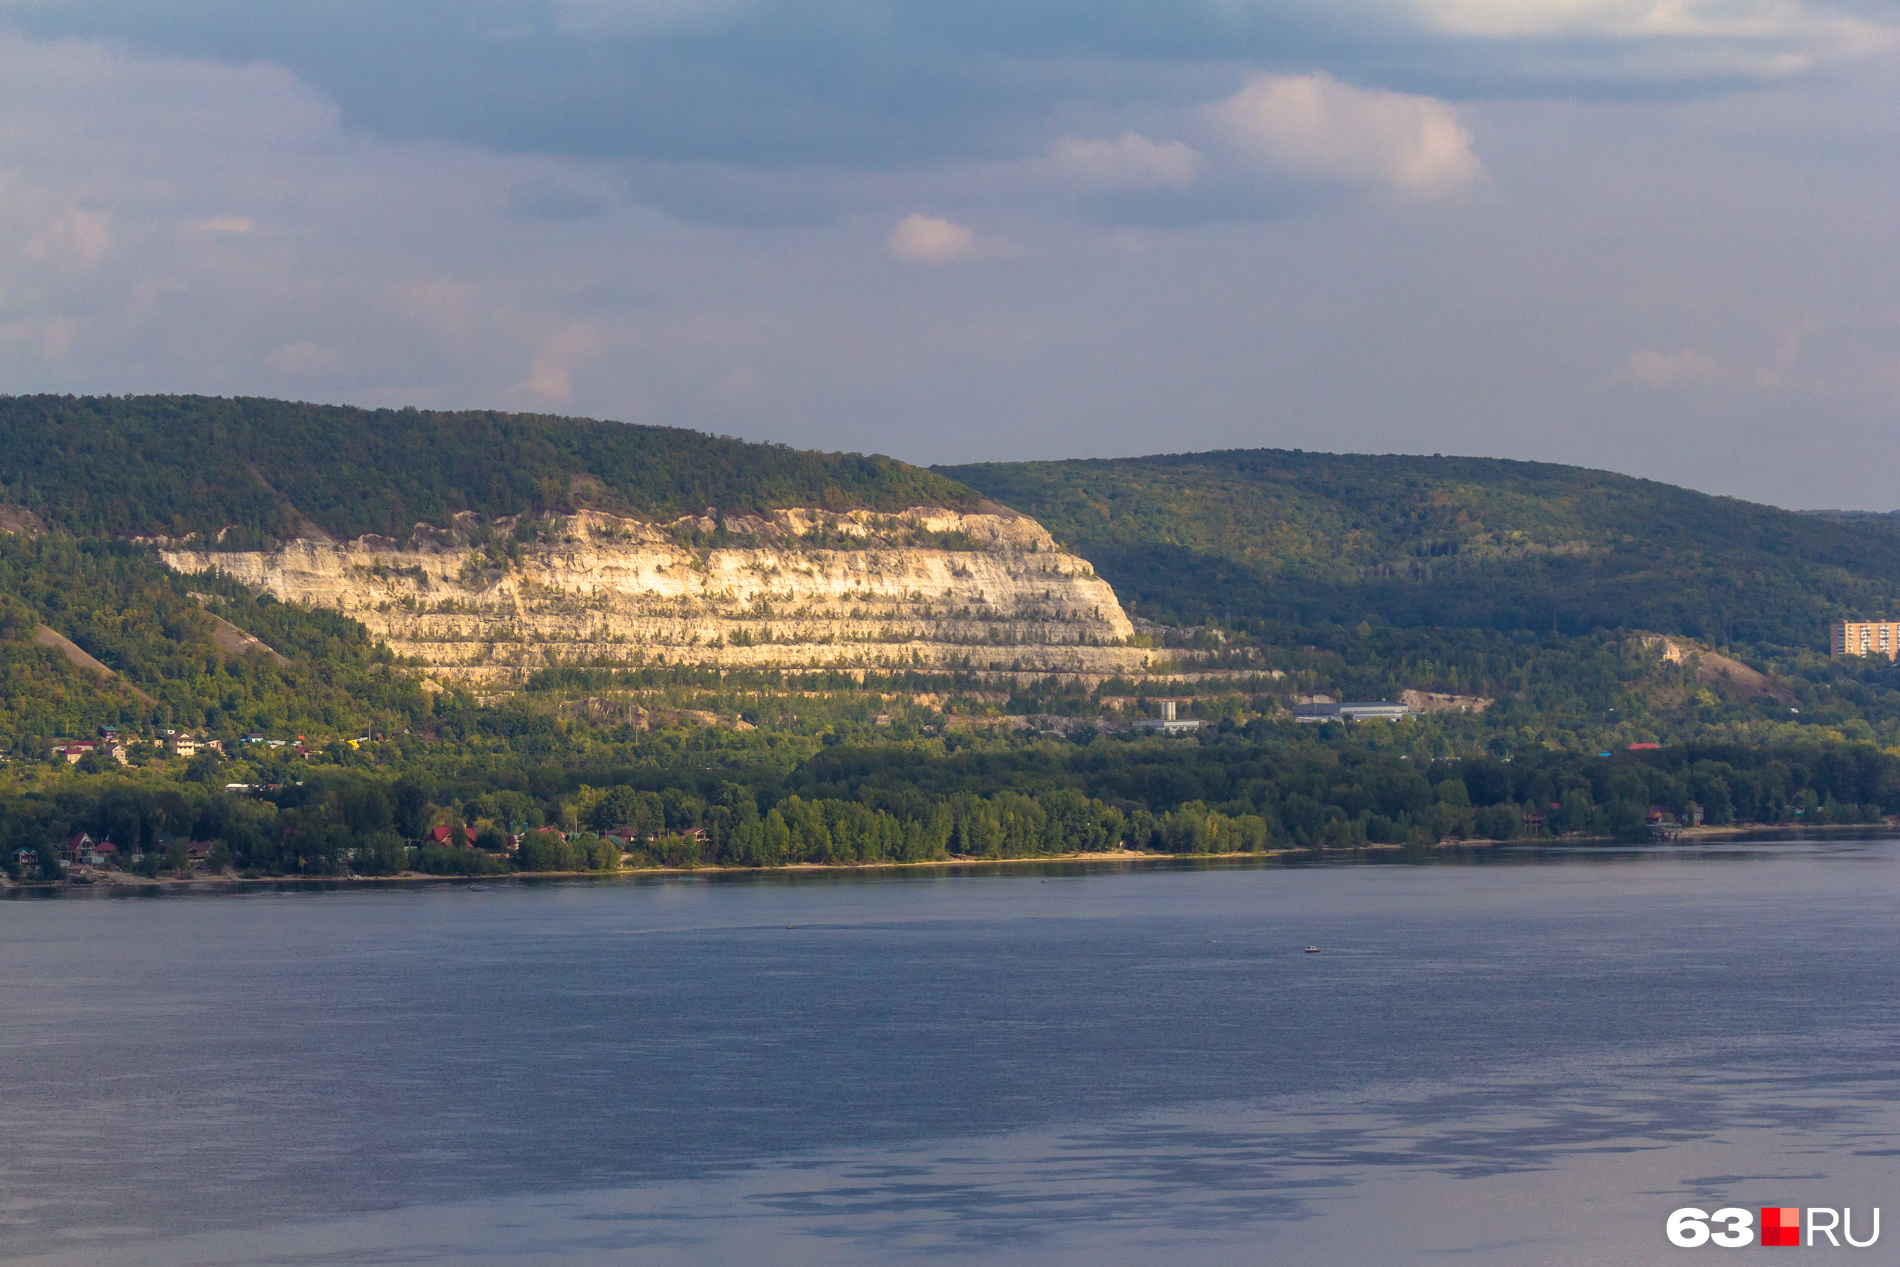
[{"x": 926, "y": 801}]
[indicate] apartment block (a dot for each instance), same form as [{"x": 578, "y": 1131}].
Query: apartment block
[{"x": 1864, "y": 637}]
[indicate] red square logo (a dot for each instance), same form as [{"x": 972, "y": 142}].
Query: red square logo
[{"x": 1781, "y": 1225}]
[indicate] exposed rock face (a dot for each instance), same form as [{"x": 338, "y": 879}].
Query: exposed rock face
[
  {"x": 1715, "y": 669},
  {"x": 21, "y": 520},
  {"x": 801, "y": 588}
]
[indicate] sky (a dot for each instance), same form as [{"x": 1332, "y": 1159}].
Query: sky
[{"x": 1653, "y": 236}]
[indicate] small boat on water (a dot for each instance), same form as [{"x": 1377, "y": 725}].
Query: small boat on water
[{"x": 1312, "y": 950}]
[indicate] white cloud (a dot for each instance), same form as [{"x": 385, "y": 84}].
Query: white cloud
[
  {"x": 1687, "y": 368},
  {"x": 743, "y": 388},
  {"x": 52, "y": 339},
  {"x": 609, "y": 18},
  {"x": 1718, "y": 19},
  {"x": 304, "y": 358},
  {"x": 1779, "y": 372},
  {"x": 1670, "y": 40},
  {"x": 393, "y": 272},
  {"x": 921, "y": 239},
  {"x": 1315, "y": 127},
  {"x": 1130, "y": 161},
  {"x": 77, "y": 233},
  {"x": 552, "y": 377}
]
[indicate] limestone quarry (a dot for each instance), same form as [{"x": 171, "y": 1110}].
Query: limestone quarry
[{"x": 490, "y": 603}]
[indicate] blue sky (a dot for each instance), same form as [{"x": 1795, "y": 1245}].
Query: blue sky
[{"x": 1651, "y": 235}]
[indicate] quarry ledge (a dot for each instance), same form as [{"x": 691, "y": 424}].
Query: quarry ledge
[{"x": 924, "y": 587}]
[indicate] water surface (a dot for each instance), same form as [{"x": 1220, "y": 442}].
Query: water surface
[{"x": 1496, "y": 1058}]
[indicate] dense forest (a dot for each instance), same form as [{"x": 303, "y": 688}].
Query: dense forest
[
  {"x": 260, "y": 470},
  {"x": 1274, "y": 537},
  {"x": 716, "y": 797}
]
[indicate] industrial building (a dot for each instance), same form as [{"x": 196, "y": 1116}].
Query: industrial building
[
  {"x": 1365, "y": 710},
  {"x": 1168, "y": 723}
]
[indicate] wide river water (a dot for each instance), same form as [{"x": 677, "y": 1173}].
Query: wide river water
[{"x": 1521, "y": 1056}]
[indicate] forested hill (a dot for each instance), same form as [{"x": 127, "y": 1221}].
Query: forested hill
[
  {"x": 1267, "y": 535},
  {"x": 270, "y": 469}
]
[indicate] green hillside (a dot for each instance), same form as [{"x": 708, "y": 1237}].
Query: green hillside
[
  {"x": 1304, "y": 539},
  {"x": 154, "y": 630},
  {"x": 177, "y": 465}
]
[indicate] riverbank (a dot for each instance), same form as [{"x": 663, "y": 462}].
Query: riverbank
[
  {"x": 97, "y": 879},
  {"x": 105, "y": 880}
]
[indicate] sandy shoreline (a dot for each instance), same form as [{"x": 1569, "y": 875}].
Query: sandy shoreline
[{"x": 110, "y": 880}]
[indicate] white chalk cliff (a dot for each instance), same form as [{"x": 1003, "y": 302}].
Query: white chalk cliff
[{"x": 488, "y": 604}]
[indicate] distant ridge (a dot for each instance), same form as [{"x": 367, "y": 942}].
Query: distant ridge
[
  {"x": 261, "y": 471},
  {"x": 1295, "y": 538}
]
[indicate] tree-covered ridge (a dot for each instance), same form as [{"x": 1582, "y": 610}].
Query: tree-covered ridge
[
  {"x": 269, "y": 469},
  {"x": 154, "y": 629},
  {"x": 1314, "y": 538}
]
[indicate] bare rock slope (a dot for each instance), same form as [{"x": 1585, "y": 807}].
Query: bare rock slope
[{"x": 490, "y": 603}]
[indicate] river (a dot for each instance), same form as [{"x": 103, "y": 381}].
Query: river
[{"x": 1495, "y": 1057}]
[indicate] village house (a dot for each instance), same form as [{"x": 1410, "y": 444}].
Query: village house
[{"x": 81, "y": 849}]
